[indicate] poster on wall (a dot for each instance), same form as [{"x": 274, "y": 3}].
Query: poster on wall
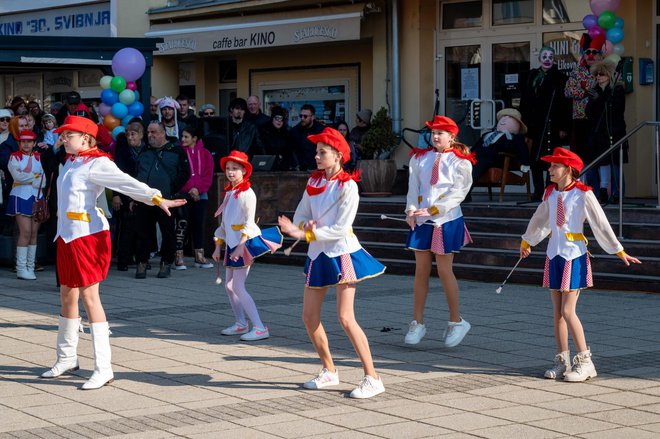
[
  {"x": 329, "y": 102},
  {"x": 469, "y": 83}
]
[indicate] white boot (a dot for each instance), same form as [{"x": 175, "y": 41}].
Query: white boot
[
  {"x": 583, "y": 368},
  {"x": 102, "y": 368},
  {"x": 562, "y": 365},
  {"x": 67, "y": 342},
  {"x": 29, "y": 263},
  {"x": 21, "y": 264}
]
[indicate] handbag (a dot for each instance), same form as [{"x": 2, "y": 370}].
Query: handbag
[{"x": 40, "y": 212}]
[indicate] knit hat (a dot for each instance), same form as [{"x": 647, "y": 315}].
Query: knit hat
[
  {"x": 443, "y": 123},
  {"x": 565, "y": 157},
  {"x": 334, "y": 139},
  {"x": 5, "y": 113},
  {"x": 364, "y": 115},
  {"x": 205, "y": 107}
]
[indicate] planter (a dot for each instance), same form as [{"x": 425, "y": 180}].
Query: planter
[{"x": 378, "y": 177}]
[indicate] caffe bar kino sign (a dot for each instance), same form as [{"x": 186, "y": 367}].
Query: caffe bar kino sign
[{"x": 256, "y": 36}]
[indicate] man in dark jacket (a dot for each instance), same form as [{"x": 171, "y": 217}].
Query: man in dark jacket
[
  {"x": 165, "y": 167},
  {"x": 241, "y": 134},
  {"x": 304, "y": 149}
]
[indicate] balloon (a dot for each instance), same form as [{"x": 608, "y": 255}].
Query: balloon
[
  {"x": 606, "y": 20},
  {"x": 104, "y": 109},
  {"x": 136, "y": 109},
  {"x": 618, "y": 22},
  {"x": 125, "y": 121},
  {"x": 131, "y": 85},
  {"x": 615, "y": 35},
  {"x": 619, "y": 49},
  {"x": 127, "y": 97},
  {"x": 119, "y": 110},
  {"x": 105, "y": 82},
  {"x": 613, "y": 58},
  {"x": 595, "y": 31},
  {"x": 608, "y": 48},
  {"x": 589, "y": 21},
  {"x": 129, "y": 63},
  {"x": 117, "y": 130},
  {"x": 109, "y": 97},
  {"x": 137, "y": 95},
  {"x": 600, "y": 6},
  {"x": 118, "y": 84},
  {"x": 111, "y": 122}
]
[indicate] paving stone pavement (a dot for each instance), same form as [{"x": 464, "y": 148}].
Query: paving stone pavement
[{"x": 176, "y": 376}]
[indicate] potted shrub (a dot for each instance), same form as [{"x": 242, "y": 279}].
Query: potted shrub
[{"x": 378, "y": 170}]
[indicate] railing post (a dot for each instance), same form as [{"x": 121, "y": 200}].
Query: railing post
[
  {"x": 657, "y": 164},
  {"x": 621, "y": 192}
]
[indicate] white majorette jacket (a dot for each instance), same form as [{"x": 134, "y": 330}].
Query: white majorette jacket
[
  {"x": 238, "y": 209},
  {"x": 443, "y": 194},
  {"x": 333, "y": 205},
  {"x": 568, "y": 240},
  {"x": 81, "y": 181},
  {"x": 26, "y": 184}
]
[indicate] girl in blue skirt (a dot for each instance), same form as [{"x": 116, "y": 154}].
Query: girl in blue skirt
[
  {"x": 566, "y": 205},
  {"x": 440, "y": 179},
  {"x": 244, "y": 243},
  {"x": 335, "y": 258}
]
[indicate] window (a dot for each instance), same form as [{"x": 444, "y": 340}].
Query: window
[
  {"x": 461, "y": 15},
  {"x": 513, "y": 12},
  {"x": 567, "y": 49},
  {"x": 227, "y": 71},
  {"x": 564, "y": 11}
]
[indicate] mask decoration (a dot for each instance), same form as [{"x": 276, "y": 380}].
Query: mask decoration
[
  {"x": 591, "y": 48},
  {"x": 508, "y": 124},
  {"x": 546, "y": 58}
]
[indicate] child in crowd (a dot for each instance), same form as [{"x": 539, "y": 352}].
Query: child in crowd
[
  {"x": 440, "y": 178},
  {"x": 48, "y": 125},
  {"x": 324, "y": 218},
  {"x": 244, "y": 243},
  {"x": 566, "y": 205}
]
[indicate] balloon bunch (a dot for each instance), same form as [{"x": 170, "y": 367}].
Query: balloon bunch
[
  {"x": 120, "y": 100},
  {"x": 605, "y": 22}
]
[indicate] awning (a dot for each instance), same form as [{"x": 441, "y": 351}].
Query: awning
[{"x": 337, "y": 24}]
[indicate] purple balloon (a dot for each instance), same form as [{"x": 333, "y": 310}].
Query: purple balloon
[
  {"x": 136, "y": 109},
  {"x": 589, "y": 21},
  {"x": 595, "y": 31},
  {"x": 128, "y": 63},
  {"x": 600, "y": 6},
  {"x": 104, "y": 109}
]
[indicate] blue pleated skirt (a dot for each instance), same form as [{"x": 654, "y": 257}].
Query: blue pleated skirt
[
  {"x": 268, "y": 242},
  {"x": 450, "y": 237},
  {"x": 19, "y": 206},
  {"x": 563, "y": 275},
  {"x": 325, "y": 271}
]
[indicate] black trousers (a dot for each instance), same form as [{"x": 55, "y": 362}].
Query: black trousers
[
  {"x": 147, "y": 218},
  {"x": 127, "y": 235}
]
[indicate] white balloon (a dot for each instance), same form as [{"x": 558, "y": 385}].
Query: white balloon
[
  {"x": 619, "y": 49},
  {"x": 105, "y": 82}
]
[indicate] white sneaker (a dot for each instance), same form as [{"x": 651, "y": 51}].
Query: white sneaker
[
  {"x": 368, "y": 387},
  {"x": 256, "y": 334},
  {"x": 416, "y": 331},
  {"x": 325, "y": 378},
  {"x": 236, "y": 329},
  {"x": 455, "y": 332}
]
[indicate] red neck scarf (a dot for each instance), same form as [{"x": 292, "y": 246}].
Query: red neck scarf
[
  {"x": 314, "y": 188},
  {"x": 240, "y": 187},
  {"x": 89, "y": 154},
  {"x": 575, "y": 184}
]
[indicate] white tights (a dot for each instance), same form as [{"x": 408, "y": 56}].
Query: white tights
[{"x": 239, "y": 298}]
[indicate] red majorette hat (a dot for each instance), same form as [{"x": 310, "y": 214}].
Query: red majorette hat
[
  {"x": 565, "y": 157},
  {"x": 79, "y": 124},
  {"x": 27, "y": 135},
  {"x": 238, "y": 157},
  {"x": 333, "y": 138},
  {"x": 443, "y": 123}
]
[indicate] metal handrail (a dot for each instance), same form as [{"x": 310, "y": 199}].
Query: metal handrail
[{"x": 619, "y": 144}]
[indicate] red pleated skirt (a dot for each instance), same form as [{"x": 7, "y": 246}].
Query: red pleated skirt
[{"x": 84, "y": 261}]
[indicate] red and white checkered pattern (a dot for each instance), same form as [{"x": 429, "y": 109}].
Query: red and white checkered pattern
[
  {"x": 435, "y": 172},
  {"x": 347, "y": 270},
  {"x": 546, "y": 273},
  {"x": 437, "y": 241},
  {"x": 561, "y": 214},
  {"x": 309, "y": 272},
  {"x": 467, "y": 239},
  {"x": 566, "y": 276},
  {"x": 590, "y": 276}
]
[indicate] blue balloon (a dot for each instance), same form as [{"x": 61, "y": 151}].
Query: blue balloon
[
  {"x": 109, "y": 97},
  {"x": 117, "y": 131},
  {"x": 126, "y": 120},
  {"x": 136, "y": 109},
  {"x": 618, "y": 22},
  {"x": 119, "y": 110},
  {"x": 615, "y": 35},
  {"x": 137, "y": 95}
]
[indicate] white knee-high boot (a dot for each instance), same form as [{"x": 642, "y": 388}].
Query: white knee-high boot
[
  {"x": 102, "y": 368},
  {"x": 29, "y": 263},
  {"x": 21, "y": 264},
  {"x": 67, "y": 343}
]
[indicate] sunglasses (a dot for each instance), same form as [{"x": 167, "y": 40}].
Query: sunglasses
[
  {"x": 305, "y": 116},
  {"x": 602, "y": 74},
  {"x": 278, "y": 118},
  {"x": 209, "y": 113},
  {"x": 5, "y": 119},
  {"x": 592, "y": 52}
]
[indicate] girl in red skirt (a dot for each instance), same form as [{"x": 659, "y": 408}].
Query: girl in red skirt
[{"x": 83, "y": 243}]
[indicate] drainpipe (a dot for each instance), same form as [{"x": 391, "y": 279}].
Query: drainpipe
[{"x": 396, "y": 86}]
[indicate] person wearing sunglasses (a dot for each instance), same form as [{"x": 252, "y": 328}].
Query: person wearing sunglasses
[
  {"x": 207, "y": 110},
  {"x": 580, "y": 81},
  {"x": 305, "y": 150},
  {"x": 277, "y": 139},
  {"x": 5, "y": 117}
]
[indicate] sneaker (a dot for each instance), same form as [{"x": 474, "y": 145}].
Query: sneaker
[
  {"x": 325, "y": 378},
  {"x": 455, "y": 332},
  {"x": 368, "y": 387},
  {"x": 236, "y": 329},
  {"x": 256, "y": 334},
  {"x": 416, "y": 331}
]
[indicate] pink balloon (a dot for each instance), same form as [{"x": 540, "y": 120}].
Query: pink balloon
[
  {"x": 608, "y": 49},
  {"x": 104, "y": 109},
  {"x": 131, "y": 85},
  {"x": 595, "y": 31},
  {"x": 600, "y": 6}
]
